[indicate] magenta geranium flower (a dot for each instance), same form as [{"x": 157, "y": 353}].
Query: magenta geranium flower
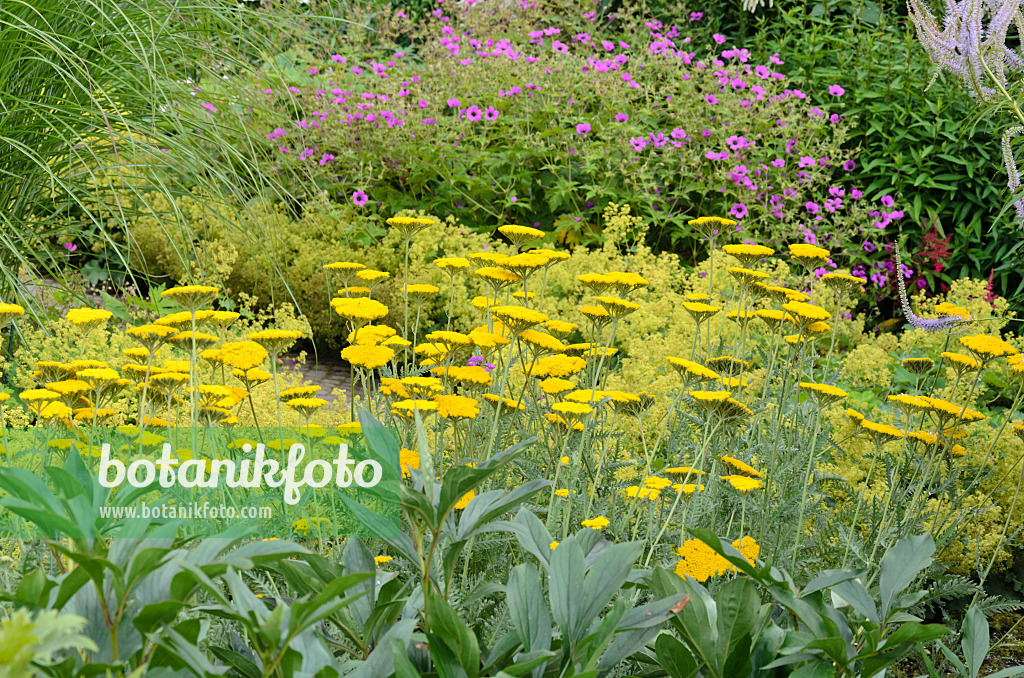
[
  {"x": 739, "y": 210},
  {"x": 453, "y": 103},
  {"x": 360, "y": 198},
  {"x": 621, "y": 117},
  {"x": 582, "y": 128},
  {"x": 836, "y": 90},
  {"x": 491, "y": 113},
  {"x": 474, "y": 113}
]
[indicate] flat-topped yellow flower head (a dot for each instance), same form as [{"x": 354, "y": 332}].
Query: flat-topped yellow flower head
[
  {"x": 520, "y": 235},
  {"x": 408, "y": 227},
  {"x": 191, "y": 297},
  {"x": 8, "y": 312}
]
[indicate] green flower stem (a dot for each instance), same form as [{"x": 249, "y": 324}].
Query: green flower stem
[{"x": 803, "y": 492}]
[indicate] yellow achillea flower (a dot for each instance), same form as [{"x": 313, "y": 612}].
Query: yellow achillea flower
[
  {"x": 880, "y": 433},
  {"x": 585, "y": 395},
  {"x": 689, "y": 488},
  {"x": 518, "y": 318},
  {"x": 481, "y": 338},
  {"x": 380, "y": 560},
  {"x": 9, "y": 312},
  {"x": 740, "y": 467},
  {"x": 553, "y": 256},
  {"x": 473, "y": 375},
  {"x": 918, "y": 366},
  {"x": 598, "y": 283},
  {"x": 926, "y": 437},
  {"x": 421, "y": 289},
  {"x": 743, "y": 483},
  {"x": 959, "y": 362},
  {"x": 251, "y": 377},
  {"x": 56, "y": 411},
  {"x": 555, "y": 366},
  {"x": 191, "y": 296},
  {"x": 910, "y": 403},
  {"x": 37, "y": 398},
  {"x": 700, "y": 311},
  {"x": 597, "y": 313},
  {"x": 274, "y": 341},
  {"x": 1018, "y": 429},
  {"x": 451, "y": 263},
  {"x": 450, "y": 337},
  {"x": 524, "y": 264},
  {"x": 808, "y": 253},
  {"x": 841, "y": 282},
  {"x": 637, "y": 492},
  {"x": 627, "y": 282},
  {"x": 138, "y": 354},
  {"x": 72, "y": 388},
  {"x": 88, "y": 414},
  {"x": 700, "y": 221},
  {"x": 520, "y": 234},
  {"x": 564, "y": 493},
  {"x": 409, "y": 226},
  {"x": 488, "y": 257},
  {"x": 151, "y": 336},
  {"x": 698, "y": 296},
  {"x": 464, "y": 501},
  {"x": 773, "y": 318},
  {"x": 854, "y": 415},
  {"x": 576, "y": 424},
  {"x": 407, "y": 408},
  {"x": 699, "y": 561},
  {"x": 656, "y": 482},
  {"x": 50, "y": 370},
  {"x": 371, "y": 275},
  {"x": 578, "y": 409},
  {"x": 543, "y": 341},
  {"x": 553, "y": 545},
  {"x": 709, "y": 396},
  {"x": 423, "y": 386},
  {"x": 306, "y": 406},
  {"x": 745, "y": 275},
  {"x": 596, "y": 523},
  {"x": 408, "y": 459},
  {"x": 817, "y": 328},
  {"x": 620, "y": 397},
  {"x": 795, "y": 339},
  {"x": 243, "y": 355},
  {"x": 823, "y": 393},
  {"x": 371, "y": 334},
  {"x": 182, "y": 320},
  {"x": 184, "y": 340},
  {"x": 456, "y": 407},
  {"x": 807, "y": 312},
  {"x": 944, "y": 407},
  {"x": 986, "y": 348},
  {"x": 947, "y": 308},
  {"x": 737, "y": 316},
  {"x": 617, "y": 308},
  {"x": 77, "y": 366},
  {"x": 299, "y": 392},
  {"x": 560, "y": 327},
  {"x": 368, "y": 357},
  {"x": 497, "y": 277},
  {"x": 503, "y": 403},
  {"x": 88, "y": 317},
  {"x": 683, "y": 470},
  {"x": 958, "y": 451},
  {"x": 344, "y": 266},
  {"x": 359, "y": 308},
  {"x": 748, "y": 254}
]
